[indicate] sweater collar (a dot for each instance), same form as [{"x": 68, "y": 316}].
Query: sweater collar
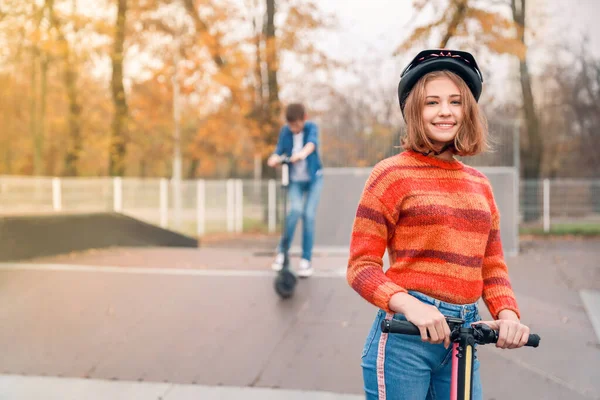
[{"x": 435, "y": 161}]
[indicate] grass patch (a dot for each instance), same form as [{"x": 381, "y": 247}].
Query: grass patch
[
  {"x": 250, "y": 225},
  {"x": 576, "y": 229},
  {"x": 256, "y": 226}
]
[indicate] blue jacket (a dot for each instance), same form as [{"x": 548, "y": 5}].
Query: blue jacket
[{"x": 285, "y": 144}]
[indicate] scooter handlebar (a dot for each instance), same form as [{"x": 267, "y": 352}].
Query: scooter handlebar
[{"x": 483, "y": 333}]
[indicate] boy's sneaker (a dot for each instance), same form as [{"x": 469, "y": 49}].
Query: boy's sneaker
[
  {"x": 278, "y": 263},
  {"x": 305, "y": 269}
]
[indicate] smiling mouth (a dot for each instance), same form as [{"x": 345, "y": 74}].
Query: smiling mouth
[{"x": 444, "y": 125}]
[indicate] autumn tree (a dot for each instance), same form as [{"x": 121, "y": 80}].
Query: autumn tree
[
  {"x": 123, "y": 123},
  {"x": 118, "y": 142},
  {"x": 463, "y": 19},
  {"x": 75, "y": 143},
  {"x": 572, "y": 114},
  {"x": 30, "y": 45},
  {"x": 273, "y": 103},
  {"x": 472, "y": 18},
  {"x": 251, "y": 78},
  {"x": 39, "y": 85},
  {"x": 532, "y": 153}
]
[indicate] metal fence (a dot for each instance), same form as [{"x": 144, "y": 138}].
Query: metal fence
[
  {"x": 236, "y": 206},
  {"x": 207, "y": 206},
  {"x": 559, "y": 202}
]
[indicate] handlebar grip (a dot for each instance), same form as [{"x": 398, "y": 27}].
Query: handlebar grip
[
  {"x": 533, "y": 341},
  {"x": 404, "y": 327}
]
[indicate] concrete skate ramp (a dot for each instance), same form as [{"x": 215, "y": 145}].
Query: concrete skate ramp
[
  {"x": 24, "y": 237},
  {"x": 342, "y": 188}
]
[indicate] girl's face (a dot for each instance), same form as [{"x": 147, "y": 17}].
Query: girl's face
[{"x": 442, "y": 111}]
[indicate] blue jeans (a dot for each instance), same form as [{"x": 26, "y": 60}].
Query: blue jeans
[
  {"x": 411, "y": 369},
  {"x": 305, "y": 208}
]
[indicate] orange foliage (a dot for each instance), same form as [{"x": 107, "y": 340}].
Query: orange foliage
[
  {"x": 491, "y": 28},
  {"x": 224, "y": 124}
]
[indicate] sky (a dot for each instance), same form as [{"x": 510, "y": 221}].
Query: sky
[
  {"x": 371, "y": 30},
  {"x": 382, "y": 24}
]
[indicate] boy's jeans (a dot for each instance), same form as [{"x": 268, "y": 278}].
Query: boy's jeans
[
  {"x": 305, "y": 209},
  {"x": 412, "y": 369}
]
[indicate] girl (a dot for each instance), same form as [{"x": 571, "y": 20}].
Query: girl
[{"x": 439, "y": 222}]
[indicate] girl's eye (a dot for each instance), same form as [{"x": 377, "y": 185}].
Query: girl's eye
[
  {"x": 457, "y": 102},
  {"x": 429, "y": 103}
]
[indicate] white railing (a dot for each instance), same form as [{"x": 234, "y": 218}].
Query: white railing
[
  {"x": 235, "y": 205},
  {"x": 207, "y": 206}
]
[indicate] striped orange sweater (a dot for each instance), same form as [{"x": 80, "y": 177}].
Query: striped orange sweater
[{"x": 440, "y": 224}]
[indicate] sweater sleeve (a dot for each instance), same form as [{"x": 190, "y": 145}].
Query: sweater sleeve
[
  {"x": 497, "y": 290},
  {"x": 373, "y": 224}
]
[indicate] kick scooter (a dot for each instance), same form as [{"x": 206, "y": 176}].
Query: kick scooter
[
  {"x": 285, "y": 282},
  {"x": 463, "y": 349}
]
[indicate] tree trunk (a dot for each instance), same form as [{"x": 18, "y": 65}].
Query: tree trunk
[
  {"x": 532, "y": 153},
  {"x": 75, "y": 146},
  {"x": 273, "y": 105},
  {"x": 143, "y": 168},
  {"x": 192, "y": 168},
  {"x": 70, "y": 80},
  {"x": 120, "y": 120},
  {"x": 37, "y": 156},
  {"x": 34, "y": 122},
  {"x": 233, "y": 170},
  {"x": 259, "y": 97},
  {"x": 272, "y": 67},
  {"x": 41, "y": 125}
]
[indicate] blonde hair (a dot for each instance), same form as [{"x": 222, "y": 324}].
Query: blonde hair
[{"x": 472, "y": 136}]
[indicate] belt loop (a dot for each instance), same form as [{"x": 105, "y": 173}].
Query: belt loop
[{"x": 437, "y": 303}]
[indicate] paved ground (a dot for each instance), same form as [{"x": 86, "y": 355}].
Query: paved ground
[{"x": 205, "y": 323}]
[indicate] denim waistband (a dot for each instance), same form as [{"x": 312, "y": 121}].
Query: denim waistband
[
  {"x": 465, "y": 311},
  {"x": 442, "y": 304}
]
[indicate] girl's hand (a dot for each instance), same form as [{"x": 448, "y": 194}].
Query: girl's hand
[
  {"x": 512, "y": 334},
  {"x": 425, "y": 316}
]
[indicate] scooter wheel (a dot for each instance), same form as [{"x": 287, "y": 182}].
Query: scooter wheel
[{"x": 285, "y": 283}]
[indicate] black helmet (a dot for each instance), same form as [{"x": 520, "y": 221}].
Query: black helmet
[{"x": 460, "y": 62}]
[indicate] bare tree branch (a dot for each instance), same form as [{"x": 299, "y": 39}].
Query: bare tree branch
[
  {"x": 212, "y": 40},
  {"x": 458, "y": 17}
]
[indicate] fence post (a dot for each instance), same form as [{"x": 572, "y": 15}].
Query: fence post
[
  {"x": 176, "y": 188},
  {"x": 239, "y": 206},
  {"x": 230, "y": 205},
  {"x": 272, "y": 212},
  {"x": 517, "y": 206},
  {"x": 164, "y": 202},
  {"x": 117, "y": 194},
  {"x": 56, "y": 194},
  {"x": 200, "y": 207},
  {"x": 546, "y": 205}
]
